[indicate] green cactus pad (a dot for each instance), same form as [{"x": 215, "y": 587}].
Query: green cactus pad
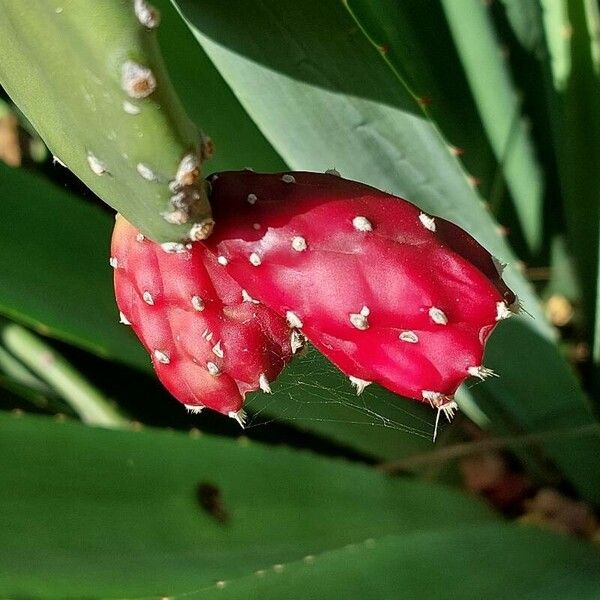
[{"x": 90, "y": 77}]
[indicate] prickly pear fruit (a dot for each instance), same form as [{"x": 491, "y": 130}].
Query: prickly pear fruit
[
  {"x": 210, "y": 343},
  {"x": 388, "y": 293}
]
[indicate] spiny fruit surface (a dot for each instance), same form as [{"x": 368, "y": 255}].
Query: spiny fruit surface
[
  {"x": 209, "y": 342},
  {"x": 388, "y": 293}
]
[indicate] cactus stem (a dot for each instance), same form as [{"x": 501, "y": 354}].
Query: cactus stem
[
  {"x": 427, "y": 222},
  {"x": 293, "y": 320},
  {"x": 473, "y": 181},
  {"x": 176, "y": 217},
  {"x": 116, "y": 72},
  {"x": 136, "y": 80},
  {"x": 362, "y": 224}
]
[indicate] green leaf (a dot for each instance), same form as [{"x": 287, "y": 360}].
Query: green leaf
[
  {"x": 488, "y": 561},
  {"x": 500, "y": 110},
  {"x": 87, "y": 512},
  {"x": 574, "y": 95},
  {"x": 333, "y": 101},
  {"x": 208, "y": 100},
  {"x": 414, "y": 39},
  {"x": 54, "y": 269},
  {"x": 524, "y": 18}
]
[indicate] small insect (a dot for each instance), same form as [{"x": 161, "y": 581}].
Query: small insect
[{"x": 210, "y": 499}]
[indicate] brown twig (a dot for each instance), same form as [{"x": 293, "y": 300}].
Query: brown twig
[{"x": 465, "y": 449}]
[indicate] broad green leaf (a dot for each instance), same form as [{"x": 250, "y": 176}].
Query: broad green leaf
[
  {"x": 333, "y": 101},
  {"x": 54, "y": 270},
  {"x": 524, "y": 17},
  {"x": 499, "y": 107},
  {"x": 488, "y": 561},
  {"x": 580, "y": 157},
  {"x": 86, "y": 512},
  {"x": 414, "y": 38},
  {"x": 596, "y": 348},
  {"x": 209, "y": 101},
  {"x": 571, "y": 29}
]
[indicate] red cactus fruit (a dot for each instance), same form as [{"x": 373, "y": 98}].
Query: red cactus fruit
[
  {"x": 209, "y": 341},
  {"x": 388, "y": 293}
]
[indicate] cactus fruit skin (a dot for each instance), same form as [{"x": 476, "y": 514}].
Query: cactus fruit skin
[
  {"x": 388, "y": 293},
  {"x": 90, "y": 77},
  {"x": 209, "y": 343}
]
